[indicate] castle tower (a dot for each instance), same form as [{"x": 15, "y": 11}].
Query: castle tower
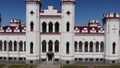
[
  {"x": 67, "y": 32},
  {"x": 33, "y": 31},
  {"x": 111, "y": 24}
]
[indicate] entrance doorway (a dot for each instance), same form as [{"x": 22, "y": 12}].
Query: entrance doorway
[{"x": 50, "y": 56}]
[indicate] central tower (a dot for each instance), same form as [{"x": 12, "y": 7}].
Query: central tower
[
  {"x": 67, "y": 32},
  {"x": 33, "y": 31}
]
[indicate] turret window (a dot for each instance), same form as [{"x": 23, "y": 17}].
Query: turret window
[
  {"x": 50, "y": 46},
  {"x": 86, "y": 46},
  {"x": 91, "y": 46},
  {"x": 50, "y": 27},
  {"x": 68, "y": 27},
  {"x": 20, "y": 46},
  {"x": 1, "y": 45},
  {"x": 114, "y": 46},
  {"x": 44, "y": 27},
  {"x": 80, "y": 46},
  {"x": 56, "y": 46},
  {"x": 56, "y": 27},
  {"x": 31, "y": 26},
  {"x": 75, "y": 46},
  {"x": 67, "y": 48},
  {"x": 15, "y": 46},
  {"x": 102, "y": 47},
  {"x": 31, "y": 47},
  {"x": 97, "y": 47},
  {"x": 10, "y": 46},
  {"x": 44, "y": 46},
  {"x": 68, "y": 12}
]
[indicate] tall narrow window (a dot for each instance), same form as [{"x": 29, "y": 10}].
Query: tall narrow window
[
  {"x": 114, "y": 47},
  {"x": 44, "y": 46},
  {"x": 102, "y": 47},
  {"x": 15, "y": 46},
  {"x": 50, "y": 46},
  {"x": 10, "y": 46},
  {"x": 1, "y": 45},
  {"x": 56, "y": 27},
  {"x": 97, "y": 47},
  {"x": 68, "y": 27},
  {"x": 80, "y": 46},
  {"x": 67, "y": 48},
  {"x": 50, "y": 27},
  {"x": 75, "y": 46},
  {"x": 5, "y": 45},
  {"x": 86, "y": 46},
  {"x": 25, "y": 46},
  {"x": 31, "y": 26},
  {"x": 56, "y": 46},
  {"x": 20, "y": 46},
  {"x": 31, "y": 47},
  {"x": 91, "y": 46},
  {"x": 44, "y": 27}
]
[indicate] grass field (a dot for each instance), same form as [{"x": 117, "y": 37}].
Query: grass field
[
  {"x": 22, "y": 66},
  {"x": 2, "y": 65},
  {"x": 73, "y": 67},
  {"x": 106, "y": 66}
]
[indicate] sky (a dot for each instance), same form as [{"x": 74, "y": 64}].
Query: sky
[{"x": 85, "y": 9}]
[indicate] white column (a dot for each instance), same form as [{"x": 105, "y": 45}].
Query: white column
[
  {"x": 83, "y": 47},
  {"x": 46, "y": 27},
  {"x": 99, "y": 48},
  {"x": 78, "y": 47},
  {"x": 88, "y": 47},
  {"x": 53, "y": 47},
  {"x": 46, "y": 46},
  {"x": 53, "y": 27},
  {"x": 23, "y": 46},
  {"x": 12, "y": 46},
  {"x": 2, "y": 46}
]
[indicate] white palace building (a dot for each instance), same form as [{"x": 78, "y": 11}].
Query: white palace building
[{"x": 50, "y": 35}]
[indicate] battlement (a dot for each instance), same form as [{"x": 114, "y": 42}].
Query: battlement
[
  {"x": 111, "y": 15},
  {"x": 93, "y": 23}
]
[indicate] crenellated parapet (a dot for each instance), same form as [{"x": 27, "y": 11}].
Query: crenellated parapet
[
  {"x": 93, "y": 23},
  {"x": 93, "y": 27},
  {"x": 15, "y": 26},
  {"x": 111, "y": 15}
]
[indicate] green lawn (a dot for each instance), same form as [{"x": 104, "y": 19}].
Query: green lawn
[
  {"x": 2, "y": 65},
  {"x": 73, "y": 67},
  {"x": 106, "y": 66},
  {"x": 22, "y": 66}
]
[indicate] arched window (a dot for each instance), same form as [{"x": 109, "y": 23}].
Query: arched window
[
  {"x": 80, "y": 46},
  {"x": 44, "y": 46},
  {"x": 86, "y": 46},
  {"x": 114, "y": 47},
  {"x": 102, "y": 47},
  {"x": 56, "y": 27},
  {"x": 97, "y": 47},
  {"x": 44, "y": 27},
  {"x": 56, "y": 46},
  {"x": 31, "y": 47},
  {"x": 67, "y": 48},
  {"x": 10, "y": 46},
  {"x": 31, "y": 26},
  {"x": 68, "y": 27},
  {"x": 1, "y": 45},
  {"x": 20, "y": 46},
  {"x": 50, "y": 46},
  {"x": 15, "y": 46},
  {"x": 25, "y": 46},
  {"x": 91, "y": 46},
  {"x": 50, "y": 27},
  {"x": 75, "y": 46},
  {"x": 5, "y": 45}
]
